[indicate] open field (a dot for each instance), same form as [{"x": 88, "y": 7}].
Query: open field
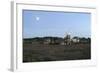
[{"x": 40, "y": 52}]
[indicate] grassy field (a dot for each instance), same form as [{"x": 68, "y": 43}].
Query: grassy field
[{"x": 39, "y": 52}]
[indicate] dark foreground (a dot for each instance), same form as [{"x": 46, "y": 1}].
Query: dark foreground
[{"x": 39, "y": 53}]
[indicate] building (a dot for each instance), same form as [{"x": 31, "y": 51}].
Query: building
[{"x": 75, "y": 40}]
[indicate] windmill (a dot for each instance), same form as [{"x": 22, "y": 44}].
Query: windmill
[{"x": 67, "y": 39}]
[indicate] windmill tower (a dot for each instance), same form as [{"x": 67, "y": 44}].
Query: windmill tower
[{"x": 67, "y": 39}]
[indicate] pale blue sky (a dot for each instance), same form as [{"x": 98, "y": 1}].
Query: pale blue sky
[{"x": 46, "y": 23}]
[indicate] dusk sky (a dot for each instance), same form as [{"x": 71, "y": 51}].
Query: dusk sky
[{"x": 47, "y": 23}]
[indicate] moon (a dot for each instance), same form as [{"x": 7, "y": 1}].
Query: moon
[{"x": 37, "y": 18}]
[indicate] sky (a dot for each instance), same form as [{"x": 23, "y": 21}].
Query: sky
[{"x": 49, "y": 23}]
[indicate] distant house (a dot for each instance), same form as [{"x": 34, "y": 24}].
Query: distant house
[
  {"x": 37, "y": 40},
  {"x": 75, "y": 40},
  {"x": 53, "y": 40},
  {"x": 47, "y": 41}
]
